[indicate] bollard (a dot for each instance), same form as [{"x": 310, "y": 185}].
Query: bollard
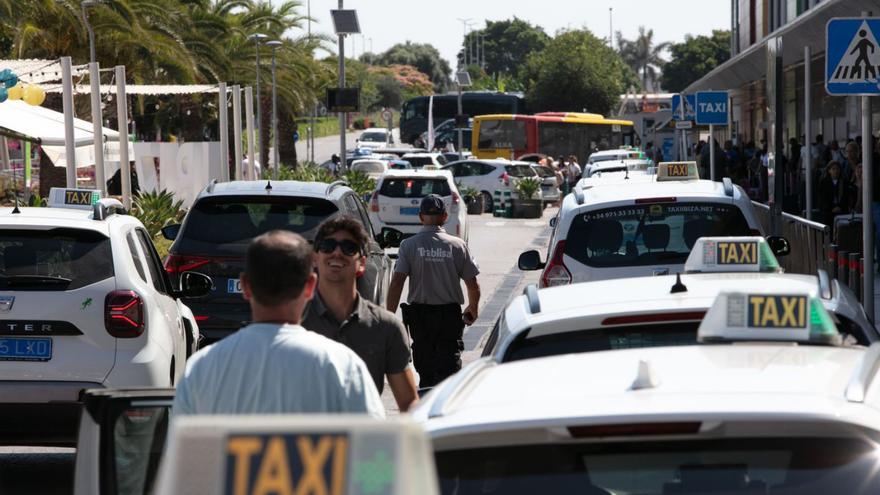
[
  {"x": 832, "y": 260},
  {"x": 853, "y": 276},
  {"x": 498, "y": 206},
  {"x": 508, "y": 204},
  {"x": 842, "y": 272}
]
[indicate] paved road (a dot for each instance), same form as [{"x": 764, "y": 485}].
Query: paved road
[
  {"x": 325, "y": 147},
  {"x": 495, "y": 243}
]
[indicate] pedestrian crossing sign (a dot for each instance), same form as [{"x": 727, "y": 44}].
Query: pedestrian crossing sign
[{"x": 852, "y": 56}]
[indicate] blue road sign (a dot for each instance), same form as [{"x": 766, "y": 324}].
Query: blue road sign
[
  {"x": 852, "y": 61},
  {"x": 688, "y": 108},
  {"x": 712, "y": 107}
]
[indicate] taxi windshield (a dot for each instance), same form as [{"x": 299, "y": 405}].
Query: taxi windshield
[
  {"x": 803, "y": 466},
  {"x": 649, "y": 234}
]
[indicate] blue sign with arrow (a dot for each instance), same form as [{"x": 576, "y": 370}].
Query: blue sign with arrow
[
  {"x": 690, "y": 104},
  {"x": 712, "y": 107},
  {"x": 852, "y": 56}
]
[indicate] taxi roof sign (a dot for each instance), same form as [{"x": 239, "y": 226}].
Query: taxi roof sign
[
  {"x": 330, "y": 453},
  {"x": 668, "y": 171},
  {"x": 731, "y": 254},
  {"x": 80, "y": 199},
  {"x": 768, "y": 316}
]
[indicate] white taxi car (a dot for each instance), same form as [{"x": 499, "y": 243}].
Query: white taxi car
[
  {"x": 84, "y": 303},
  {"x": 768, "y": 402},
  {"x": 395, "y": 202},
  {"x": 629, "y": 313},
  {"x": 646, "y": 227},
  {"x": 422, "y": 159}
]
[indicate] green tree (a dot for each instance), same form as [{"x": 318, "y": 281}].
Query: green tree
[
  {"x": 694, "y": 58},
  {"x": 576, "y": 71},
  {"x": 643, "y": 56},
  {"x": 423, "y": 57},
  {"x": 507, "y": 45}
]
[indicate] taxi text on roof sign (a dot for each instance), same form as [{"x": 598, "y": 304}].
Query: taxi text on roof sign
[
  {"x": 772, "y": 316},
  {"x": 677, "y": 171},
  {"x": 83, "y": 199},
  {"x": 731, "y": 254}
]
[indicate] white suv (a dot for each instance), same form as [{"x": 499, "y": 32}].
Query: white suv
[
  {"x": 488, "y": 176},
  {"x": 398, "y": 195},
  {"x": 85, "y": 304}
]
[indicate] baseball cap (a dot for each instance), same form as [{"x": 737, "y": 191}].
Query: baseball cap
[{"x": 432, "y": 204}]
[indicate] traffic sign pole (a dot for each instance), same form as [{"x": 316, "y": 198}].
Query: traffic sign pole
[
  {"x": 867, "y": 212},
  {"x": 808, "y": 131},
  {"x": 683, "y": 132},
  {"x": 712, "y": 152}
]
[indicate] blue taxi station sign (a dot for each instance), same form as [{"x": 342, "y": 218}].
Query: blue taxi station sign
[
  {"x": 712, "y": 107},
  {"x": 852, "y": 60}
]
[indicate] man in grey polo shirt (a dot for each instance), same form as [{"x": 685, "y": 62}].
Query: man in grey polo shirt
[
  {"x": 338, "y": 312},
  {"x": 435, "y": 263}
]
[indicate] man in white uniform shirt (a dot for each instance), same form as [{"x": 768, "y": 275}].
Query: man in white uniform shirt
[{"x": 274, "y": 365}]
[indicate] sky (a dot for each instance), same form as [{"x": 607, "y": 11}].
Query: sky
[{"x": 387, "y": 22}]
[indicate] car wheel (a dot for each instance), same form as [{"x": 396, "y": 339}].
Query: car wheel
[{"x": 488, "y": 202}]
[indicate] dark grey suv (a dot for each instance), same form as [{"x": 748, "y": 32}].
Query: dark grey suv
[{"x": 226, "y": 216}]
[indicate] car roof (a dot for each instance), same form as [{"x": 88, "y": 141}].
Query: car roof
[
  {"x": 747, "y": 381},
  {"x": 420, "y": 154},
  {"x": 646, "y": 186},
  {"x": 60, "y": 217},
  {"x": 417, "y": 173},
  {"x": 279, "y": 188}
]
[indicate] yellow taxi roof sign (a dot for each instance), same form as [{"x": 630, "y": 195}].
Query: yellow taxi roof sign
[
  {"x": 80, "y": 199},
  {"x": 668, "y": 171},
  {"x": 333, "y": 454},
  {"x": 766, "y": 315},
  {"x": 731, "y": 254}
]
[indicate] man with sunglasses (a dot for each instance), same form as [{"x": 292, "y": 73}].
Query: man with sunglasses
[
  {"x": 339, "y": 313},
  {"x": 435, "y": 263}
]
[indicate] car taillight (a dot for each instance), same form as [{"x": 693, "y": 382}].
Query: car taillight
[
  {"x": 374, "y": 202},
  {"x": 178, "y": 263},
  {"x": 647, "y": 201},
  {"x": 505, "y": 178},
  {"x": 124, "y": 314},
  {"x": 555, "y": 273},
  {"x": 455, "y": 198}
]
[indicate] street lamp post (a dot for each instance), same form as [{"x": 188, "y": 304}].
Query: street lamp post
[
  {"x": 258, "y": 40},
  {"x": 97, "y": 114},
  {"x": 274, "y": 44},
  {"x": 465, "y": 23}
]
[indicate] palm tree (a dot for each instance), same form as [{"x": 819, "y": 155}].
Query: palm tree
[{"x": 643, "y": 56}]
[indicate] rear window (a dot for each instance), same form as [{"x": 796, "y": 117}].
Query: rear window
[
  {"x": 55, "y": 259},
  {"x": 520, "y": 171},
  {"x": 373, "y": 137},
  {"x": 214, "y": 222},
  {"x": 649, "y": 234},
  {"x": 779, "y": 465},
  {"x": 369, "y": 167},
  {"x": 419, "y": 161},
  {"x": 602, "y": 339},
  {"x": 544, "y": 172},
  {"x": 604, "y": 158},
  {"x": 414, "y": 188}
]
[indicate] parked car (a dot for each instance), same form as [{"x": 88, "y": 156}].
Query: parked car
[
  {"x": 487, "y": 176},
  {"x": 549, "y": 189},
  {"x": 374, "y": 168},
  {"x": 419, "y": 160},
  {"x": 375, "y": 138}
]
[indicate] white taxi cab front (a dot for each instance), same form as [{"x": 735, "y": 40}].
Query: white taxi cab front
[
  {"x": 84, "y": 303},
  {"x": 665, "y": 310},
  {"x": 768, "y": 402},
  {"x": 399, "y": 193},
  {"x": 645, "y": 227}
]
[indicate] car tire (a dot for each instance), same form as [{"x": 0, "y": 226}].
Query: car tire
[{"x": 488, "y": 202}]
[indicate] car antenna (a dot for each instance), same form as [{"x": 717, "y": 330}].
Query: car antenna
[
  {"x": 268, "y": 185},
  {"x": 678, "y": 287},
  {"x": 626, "y": 177},
  {"x": 16, "y": 211}
]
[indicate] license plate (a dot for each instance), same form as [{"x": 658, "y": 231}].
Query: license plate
[
  {"x": 409, "y": 211},
  {"x": 17, "y": 349},
  {"x": 233, "y": 286}
]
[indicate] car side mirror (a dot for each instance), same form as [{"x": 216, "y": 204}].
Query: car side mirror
[
  {"x": 530, "y": 261},
  {"x": 194, "y": 284},
  {"x": 779, "y": 245},
  {"x": 170, "y": 231},
  {"x": 553, "y": 222},
  {"x": 389, "y": 237}
]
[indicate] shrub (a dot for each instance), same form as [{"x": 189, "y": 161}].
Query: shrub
[
  {"x": 528, "y": 187},
  {"x": 156, "y": 210}
]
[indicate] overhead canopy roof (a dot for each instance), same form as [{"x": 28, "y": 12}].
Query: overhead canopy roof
[
  {"x": 44, "y": 126},
  {"x": 807, "y": 30}
]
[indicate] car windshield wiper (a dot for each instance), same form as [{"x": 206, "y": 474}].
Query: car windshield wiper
[{"x": 34, "y": 279}]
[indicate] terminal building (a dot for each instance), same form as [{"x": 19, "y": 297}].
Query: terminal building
[{"x": 800, "y": 25}]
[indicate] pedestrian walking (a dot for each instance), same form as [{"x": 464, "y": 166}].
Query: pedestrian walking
[
  {"x": 833, "y": 194},
  {"x": 574, "y": 172},
  {"x": 435, "y": 263},
  {"x": 338, "y": 312},
  {"x": 274, "y": 365}
]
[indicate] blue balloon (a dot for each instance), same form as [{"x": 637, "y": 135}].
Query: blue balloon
[
  {"x": 11, "y": 81},
  {"x": 3, "y": 94}
]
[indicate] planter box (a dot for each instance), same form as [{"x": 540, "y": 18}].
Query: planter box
[
  {"x": 528, "y": 208},
  {"x": 474, "y": 205}
]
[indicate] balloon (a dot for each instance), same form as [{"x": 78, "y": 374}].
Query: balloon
[
  {"x": 4, "y": 74},
  {"x": 11, "y": 81},
  {"x": 33, "y": 95},
  {"x": 3, "y": 95},
  {"x": 15, "y": 92}
]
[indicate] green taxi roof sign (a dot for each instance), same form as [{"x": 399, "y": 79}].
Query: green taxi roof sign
[
  {"x": 669, "y": 171},
  {"x": 332, "y": 454},
  {"x": 80, "y": 199},
  {"x": 768, "y": 316},
  {"x": 731, "y": 254}
]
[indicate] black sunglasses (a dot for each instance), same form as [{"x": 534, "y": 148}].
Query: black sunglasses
[{"x": 327, "y": 246}]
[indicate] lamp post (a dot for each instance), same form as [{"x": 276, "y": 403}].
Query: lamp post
[
  {"x": 274, "y": 44},
  {"x": 258, "y": 40},
  {"x": 97, "y": 114},
  {"x": 465, "y": 23},
  {"x": 344, "y": 22}
]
